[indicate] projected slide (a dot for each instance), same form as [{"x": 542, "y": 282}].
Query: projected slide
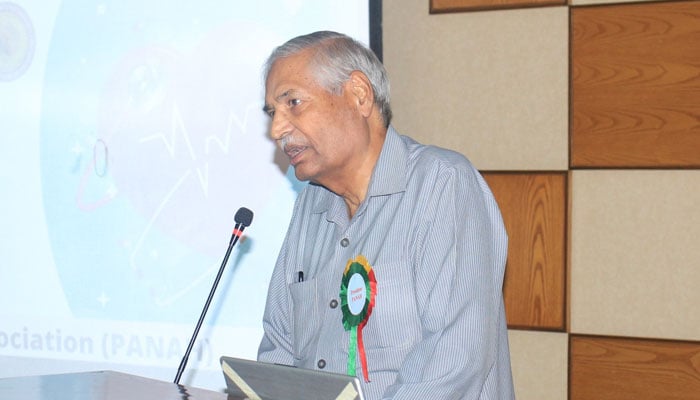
[{"x": 131, "y": 133}]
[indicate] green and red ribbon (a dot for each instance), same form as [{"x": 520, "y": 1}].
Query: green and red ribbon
[{"x": 357, "y": 293}]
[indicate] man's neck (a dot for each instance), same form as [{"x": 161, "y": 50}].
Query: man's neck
[{"x": 356, "y": 192}]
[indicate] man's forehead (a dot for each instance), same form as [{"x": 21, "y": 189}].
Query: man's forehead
[
  {"x": 285, "y": 83},
  {"x": 291, "y": 63},
  {"x": 282, "y": 71}
]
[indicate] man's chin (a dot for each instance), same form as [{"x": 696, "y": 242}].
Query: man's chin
[{"x": 301, "y": 175}]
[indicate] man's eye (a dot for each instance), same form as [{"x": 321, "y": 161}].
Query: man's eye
[{"x": 294, "y": 102}]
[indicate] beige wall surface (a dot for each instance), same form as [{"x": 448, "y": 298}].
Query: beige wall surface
[
  {"x": 492, "y": 85},
  {"x": 539, "y": 363},
  {"x": 635, "y": 252}
]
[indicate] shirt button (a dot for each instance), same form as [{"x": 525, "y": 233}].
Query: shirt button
[
  {"x": 321, "y": 363},
  {"x": 334, "y": 303},
  {"x": 345, "y": 242}
]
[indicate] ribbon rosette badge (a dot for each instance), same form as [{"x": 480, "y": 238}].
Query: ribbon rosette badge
[{"x": 357, "y": 293}]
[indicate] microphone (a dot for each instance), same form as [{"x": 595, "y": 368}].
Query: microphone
[{"x": 243, "y": 218}]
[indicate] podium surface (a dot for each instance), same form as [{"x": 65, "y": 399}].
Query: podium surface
[{"x": 99, "y": 385}]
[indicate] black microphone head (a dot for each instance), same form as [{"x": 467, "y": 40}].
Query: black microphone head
[{"x": 244, "y": 216}]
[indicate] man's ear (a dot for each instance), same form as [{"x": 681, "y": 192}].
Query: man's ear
[{"x": 361, "y": 90}]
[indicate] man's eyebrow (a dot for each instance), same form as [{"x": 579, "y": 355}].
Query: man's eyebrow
[
  {"x": 268, "y": 108},
  {"x": 286, "y": 93}
]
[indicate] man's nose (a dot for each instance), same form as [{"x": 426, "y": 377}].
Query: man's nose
[{"x": 280, "y": 126}]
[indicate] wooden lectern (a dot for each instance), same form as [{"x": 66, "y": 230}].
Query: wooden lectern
[{"x": 100, "y": 385}]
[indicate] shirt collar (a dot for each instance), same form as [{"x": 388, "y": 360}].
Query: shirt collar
[{"x": 389, "y": 175}]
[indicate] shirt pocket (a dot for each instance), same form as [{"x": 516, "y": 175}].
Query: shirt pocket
[
  {"x": 305, "y": 318},
  {"x": 394, "y": 322}
]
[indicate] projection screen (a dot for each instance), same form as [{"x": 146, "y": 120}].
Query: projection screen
[{"x": 130, "y": 133}]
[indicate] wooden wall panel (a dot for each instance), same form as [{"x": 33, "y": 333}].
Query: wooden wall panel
[
  {"x": 633, "y": 369},
  {"x": 446, "y": 6},
  {"x": 534, "y": 212},
  {"x": 636, "y": 85}
]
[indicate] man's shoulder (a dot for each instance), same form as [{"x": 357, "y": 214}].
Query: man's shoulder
[{"x": 431, "y": 156}]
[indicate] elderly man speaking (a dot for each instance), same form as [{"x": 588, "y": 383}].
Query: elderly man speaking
[{"x": 392, "y": 266}]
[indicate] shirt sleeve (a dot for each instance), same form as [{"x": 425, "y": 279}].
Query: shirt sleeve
[{"x": 458, "y": 284}]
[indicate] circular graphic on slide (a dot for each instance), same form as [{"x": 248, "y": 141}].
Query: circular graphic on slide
[
  {"x": 152, "y": 136},
  {"x": 16, "y": 41}
]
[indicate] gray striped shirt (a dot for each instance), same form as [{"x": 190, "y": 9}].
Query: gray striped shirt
[{"x": 433, "y": 234}]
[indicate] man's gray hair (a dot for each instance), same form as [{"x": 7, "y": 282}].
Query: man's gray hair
[{"x": 335, "y": 58}]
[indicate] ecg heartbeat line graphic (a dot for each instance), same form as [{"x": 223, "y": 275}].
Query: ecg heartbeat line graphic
[{"x": 179, "y": 130}]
